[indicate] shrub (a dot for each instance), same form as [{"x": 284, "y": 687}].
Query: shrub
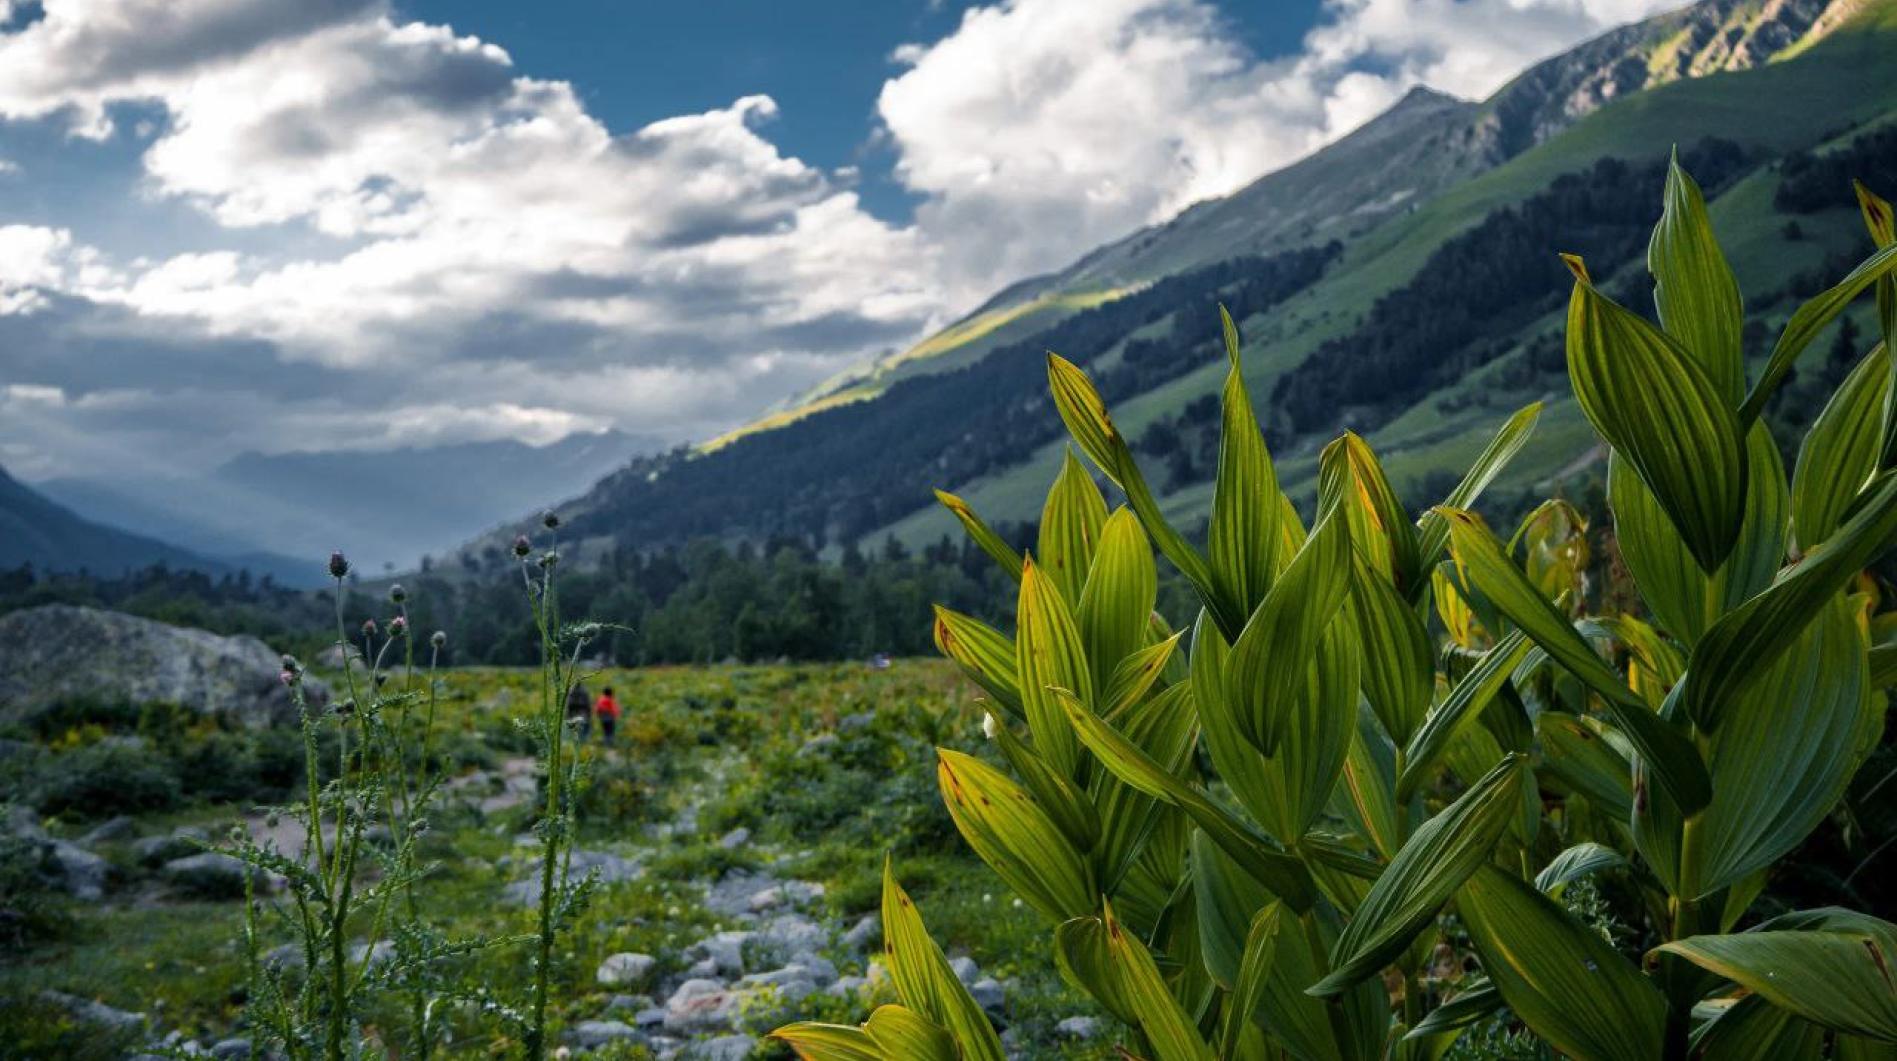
[
  {"x": 1322, "y": 829},
  {"x": 117, "y": 775}
]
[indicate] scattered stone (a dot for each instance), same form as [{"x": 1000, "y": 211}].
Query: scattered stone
[
  {"x": 699, "y": 1006},
  {"x": 381, "y": 954},
  {"x": 820, "y": 744},
  {"x": 59, "y": 652},
  {"x": 791, "y": 933},
  {"x": 81, "y": 873},
  {"x": 702, "y": 969},
  {"x": 965, "y": 969},
  {"x": 106, "y": 832},
  {"x": 731, "y": 895},
  {"x": 820, "y": 968},
  {"x": 847, "y": 987},
  {"x": 860, "y": 720},
  {"x": 612, "y": 869},
  {"x": 723, "y": 1048},
  {"x": 866, "y": 934},
  {"x": 989, "y": 995},
  {"x": 93, "y": 1011},
  {"x": 725, "y": 950},
  {"x": 650, "y": 1017},
  {"x": 182, "y": 841},
  {"x": 735, "y": 839},
  {"x": 211, "y": 874},
  {"x": 235, "y": 1049},
  {"x": 625, "y": 969},
  {"x": 593, "y": 1034},
  {"x": 1078, "y": 1028},
  {"x": 628, "y": 1003}
]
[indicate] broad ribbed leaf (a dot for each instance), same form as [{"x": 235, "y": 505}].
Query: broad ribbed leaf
[
  {"x": 1580, "y": 756},
  {"x": 1741, "y": 647},
  {"x": 1882, "y": 224},
  {"x": 1369, "y": 788},
  {"x": 1398, "y": 675},
  {"x": 1064, "y": 803},
  {"x": 1243, "y": 536},
  {"x": 1433, "y": 530},
  {"x": 1270, "y": 657},
  {"x": 1682, "y": 597},
  {"x": 923, "y": 979},
  {"x": 1234, "y": 757},
  {"x": 1472, "y": 1004},
  {"x": 1071, "y": 520},
  {"x": 1656, "y": 405},
  {"x": 1013, "y": 834},
  {"x": 983, "y": 653},
  {"x": 1808, "y": 322},
  {"x": 981, "y": 534},
  {"x": 1574, "y": 863},
  {"x": 1667, "y": 751},
  {"x": 1283, "y": 875},
  {"x": 1459, "y": 710},
  {"x": 1838, "y": 979},
  {"x": 1319, "y": 713},
  {"x": 1117, "y": 603},
  {"x": 1082, "y": 954},
  {"x": 902, "y": 1033},
  {"x": 1654, "y": 664},
  {"x": 1458, "y": 617},
  {"x": 1137, "y": 674},
  {"x": 1225, "y": 899},
  {"x": 1087, "y": 421},
  {"x": 1439, "y": 856},
  {"x": 1693, "y": 288},
  {"x": 1753, "y": 1029},
  {"x": 1559, "y": 976},
  {"x": 1163, "y": 727},
  {"x": 1161, "y": 1020},
  {"x": 1048, "y": 654},
  {"x": 1841, "y": 451},
  {"x": 1254, "y": 972},
  {"x": 828, "y": 1042},
  {"x": 1786, "y": 748}
]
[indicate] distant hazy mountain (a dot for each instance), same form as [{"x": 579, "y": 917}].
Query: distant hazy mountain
[
  {"x": 384, "y": 508},
  {"x": 1401, "y": 281},
  {"x": 35, "y": 530}
]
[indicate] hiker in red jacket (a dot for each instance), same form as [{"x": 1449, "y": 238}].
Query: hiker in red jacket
[{"x": 608, "y": 711}]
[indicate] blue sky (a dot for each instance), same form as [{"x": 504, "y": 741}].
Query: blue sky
[{"x": 281, "y": 225}]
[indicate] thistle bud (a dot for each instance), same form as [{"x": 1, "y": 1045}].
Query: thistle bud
[
  {"x": 439, "y": 639},
  {"x": 346, "y": 707},
  {"x": 398, "y": 626},
  {"x": 368, "y": 628},
  {"x": 397, "y": 594},
  {"x": 589, "y": 632},
  {"x": 549, "y": 558},
  {"x": 522, "y": 546},
  {"x": 287, "y": 677},
  {"x": 338, "y": 565},
  {"x": 549, "y": 520},
  {"x": 290, "y": 664}
]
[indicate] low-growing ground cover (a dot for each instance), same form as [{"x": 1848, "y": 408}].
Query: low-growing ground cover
[{"x": 728, "y": 789}]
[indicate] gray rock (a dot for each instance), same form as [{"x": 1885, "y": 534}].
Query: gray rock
[
  {"x": 735, "y": 839},
  {"x": 821, "y": 969},
  {"x": 790, "y": 933},
  {"x": 180, "y": 842},
  {"x": 725, "y": 950},
  {"x": 731, "y": 896},
  {"x": 820, "y": 744},
  {"x": 93, "y": 1011},
  {"x": 625, "y": 969},
  {"x": 108, "y": 831},
  {"x": 866, "y": 934},
  {"x": 593, "y": 1034},
  {"x": 231, "y": 1050},
  {"x": 723, "y": 1048},
  {"x": 611, "y": 868},
  {"x": 699, "y": 1006},
  {"x": 789, "y": 893},
  {"x": 628, "y": 1003},
  {"x": 81, "y": 873},
  {"x": 58, "y": 652},
  {"x": 211, "y": 874},
  {"x": 989, "y": 995},
  {"x": 1080, "y": 1028},
  {"x": 860, "y": 720},
  {"x": 794, "y": 982},
  {"x": 650, "y": 1017},
  {"x": 965, "y": 970},
  {"x": 381, "y": 954},
  {"x": 703, "y": 969},
  {"x": 847, "y": 987}
]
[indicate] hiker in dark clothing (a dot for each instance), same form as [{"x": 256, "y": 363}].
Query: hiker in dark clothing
[
  {"x": 579, "y": 711},
  {"x": 607, "y": 709}
]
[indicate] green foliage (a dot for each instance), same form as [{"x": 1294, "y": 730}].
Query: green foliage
[{"x": 1301, "y": 837}]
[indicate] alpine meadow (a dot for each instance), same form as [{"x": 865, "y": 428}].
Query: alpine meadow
[{"x": 1397, "y": 567}]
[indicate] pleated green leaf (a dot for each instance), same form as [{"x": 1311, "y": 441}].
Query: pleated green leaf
[
  {"x": 1087, "y": 421},
  {"x": 1657, "y": 406},
  {"x": 1559, "y": 976},
  {"x": 1225, "y": 900},
  {"x": 1234, "y": 757},
  {"x": 981, "y": 534},
  {"x": 1369, "y": 788},
  {"x": 983, "y": 653},
  {"x": 1380, "y": 528},
  {"x": 902, "y": 1033},
  {"x": 1243, "y": 536},
  {"x": 1580, "y": 756},
  {"x": 1282, "y": 874},
  {"x": 1838, "y": 979},
  {"x": 1137, "y": 674},
  {"x": 1398, "y": 674},
  {"x": 1882, "y": 224},
  {"x": 1071, "y": 520},
  {"x": 1162, "y": 726},
  {"x": 1172, "y": 1034},
  {"x": 1459, "y": 710},
  {"x": 1682, "y": 597},
  {"x": 1016, "y": 837},
  {"x": 1070, "y": 809},
  {"x": 1808, "y": 322},
  {"x": 1694, "y": 290},
  {"x": 1439, "y": 856},
  {"x": 1786, "y": 748},
  {"x": 1574, "y": 863},
  {"x": 1049, "y": 654},
  {"x": 1271, "y": 655},
  {"x": 1319, "y": 717},
  {"x": 1081, "y": 952},
  {"x": 1741, "y": 647},
  {"x": 828, "y": 1042},
  {"x": 1669, "y": 754},
  {"x": 1433, "y": 530},
  {"x": 1753, "y": 1029},
  {"x": 1254, "y": 977},
  {"x": 1471, "y": 1005},
  {"x": 1116, "y": 605},
  {"x": 923, "y": 979},
  {"x": 1841, "y": 451}
]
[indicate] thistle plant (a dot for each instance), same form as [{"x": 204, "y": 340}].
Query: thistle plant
[{"x": 1324, "y": 826}]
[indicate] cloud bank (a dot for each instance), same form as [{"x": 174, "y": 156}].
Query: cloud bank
[{"x": 405, "y": 238}]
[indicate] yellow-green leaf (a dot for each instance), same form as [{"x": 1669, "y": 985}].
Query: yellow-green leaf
[
  {"x": 828, "y": 1042},
  {"x": 1243, "y": 535},
  {"x": 902, "y": 1033},
  {"x": 1049, "y": 654},
  {"x": 983, "y": 653},
  {"x": 1278, "y": 643},
  {"x": 1254, "y": 973},
  {"x": 1013, "y": 834},
  {"x": 1840, "y": 979},
  {"x": 1693, "y": 287},
  {"x": 1070, "y": 527},
  {"x": 1117, "y": 604},
  {"x": 981, "y": 534},
  {"x": 923, "y": 979},
  {"x": 1841, "y": 451},
  {"x": 1808, "y": 321},
  {"x": 1398, "y": 674},
  {"x": 1458, "y": 711},
  {"x": 1432, "y": 529}
]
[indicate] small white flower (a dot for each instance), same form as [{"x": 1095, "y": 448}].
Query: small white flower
[{"x": 989, "y": 724}]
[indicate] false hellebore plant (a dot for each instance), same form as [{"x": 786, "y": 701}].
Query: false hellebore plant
[{"x": 1253, "y": 848}]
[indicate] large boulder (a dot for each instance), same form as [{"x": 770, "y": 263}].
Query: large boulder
[{"x": 59, "y": 652}]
